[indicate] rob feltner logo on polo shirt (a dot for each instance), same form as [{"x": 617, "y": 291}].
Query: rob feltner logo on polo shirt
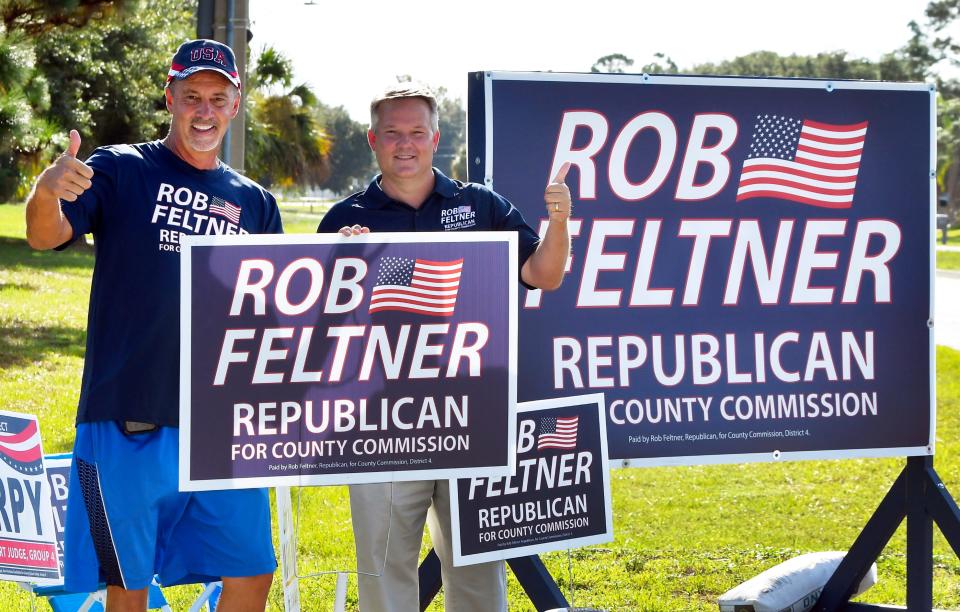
[{"x": 458, "y": 217}]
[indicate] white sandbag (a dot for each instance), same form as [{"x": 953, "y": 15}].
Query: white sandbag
[{"x": 792, "y": 586}]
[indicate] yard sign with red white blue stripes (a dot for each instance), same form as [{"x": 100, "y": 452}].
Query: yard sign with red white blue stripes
[{"x": 28, "y": 539}]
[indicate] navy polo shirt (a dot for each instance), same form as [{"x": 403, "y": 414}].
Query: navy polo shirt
[{"x": 451, "y": 206}]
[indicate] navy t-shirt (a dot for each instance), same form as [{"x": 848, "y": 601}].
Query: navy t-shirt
[
  {"x": 452, "y": 206},
  {"x": 143, "y": 199}
]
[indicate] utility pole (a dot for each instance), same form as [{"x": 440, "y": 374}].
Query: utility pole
[{"x": 226, "y": 21}]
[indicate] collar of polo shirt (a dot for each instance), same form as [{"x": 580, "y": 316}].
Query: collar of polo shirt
[{"x": 375, "y": 197}]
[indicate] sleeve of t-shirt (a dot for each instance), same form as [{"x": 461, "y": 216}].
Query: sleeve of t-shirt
[
  {"x": 85, "y": 214},
  {"x": 332, "y": 221},
  {"x": 508, "y": 217},
  {"x": 272, "y": 223},
  {"x": 327, "y": 223}
]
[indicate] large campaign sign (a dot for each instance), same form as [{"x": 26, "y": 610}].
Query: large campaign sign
[
  {"x": 28, "y": 539},
  {"x": 559, "y": 496},
  {"x": 751, "y": 272},
  {"x": 321, "y": 359}
]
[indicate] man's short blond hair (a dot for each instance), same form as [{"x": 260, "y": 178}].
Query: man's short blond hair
[{"x": 406, "y": 90}]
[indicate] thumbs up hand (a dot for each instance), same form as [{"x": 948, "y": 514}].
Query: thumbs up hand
[
  {"x": 74, "y": 147},
  {"x": 67, "y": 177},
  {"x": 557, "y": 196}
]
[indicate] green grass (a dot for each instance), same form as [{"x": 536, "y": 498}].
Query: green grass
[
  {"x": 43, "y": 315},
  {"x": 953, "y": 236},
  {"x": 302, "y": 219},
  {"x": 948, "y": 260},
  {"x": 684, "y": 535}
]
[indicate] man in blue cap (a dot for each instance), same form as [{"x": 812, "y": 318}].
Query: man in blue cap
[{"x": 126, "y": 520}]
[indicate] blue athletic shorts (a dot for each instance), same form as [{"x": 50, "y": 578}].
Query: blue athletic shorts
[{"x": 126, "y": 520}]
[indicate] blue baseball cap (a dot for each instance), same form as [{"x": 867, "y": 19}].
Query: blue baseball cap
[{"x": 203, "y": 54}]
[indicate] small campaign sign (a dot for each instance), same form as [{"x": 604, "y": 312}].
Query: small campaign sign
[
  {"x": 324, "y": 359},
  {"x": 559, "y": 496},
  {"x": 28, "y": 538}
]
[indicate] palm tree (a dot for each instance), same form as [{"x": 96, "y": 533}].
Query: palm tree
[{"x": 286, "y": 148}]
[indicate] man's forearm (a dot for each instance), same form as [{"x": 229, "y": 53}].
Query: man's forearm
[
  {"x": 46, "y": 226},
  {"x": 545, "y": 268}
]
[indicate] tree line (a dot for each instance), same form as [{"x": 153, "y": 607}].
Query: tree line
[
  {"x": 97, "y": 65},
  {"x": 928, "y": 52}
]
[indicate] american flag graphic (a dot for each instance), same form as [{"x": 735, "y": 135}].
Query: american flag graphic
[
  {"x": 803, "y": 161},
  {"x": 20, "y": 445},
  {"x": 462, "y": 209},
  {"x": 219, "y": 206},
  {"x": 557, "y": 432},
  {"x": 421, "y": 286}
]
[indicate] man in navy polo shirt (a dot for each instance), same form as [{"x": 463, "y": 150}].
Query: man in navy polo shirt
[
  {"x": 411, "y": 195},
  {"x": 126, "y": 520}
]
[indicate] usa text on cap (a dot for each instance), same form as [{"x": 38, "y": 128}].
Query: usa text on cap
[{"x": 204, "y": 54}]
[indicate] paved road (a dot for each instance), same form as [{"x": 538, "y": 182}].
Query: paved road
[{"x": 947, "y": 313}]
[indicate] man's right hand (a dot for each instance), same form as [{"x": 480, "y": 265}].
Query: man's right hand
[
  {"x": 68, "y": 177},
  {"x": 65, "y": 179}
]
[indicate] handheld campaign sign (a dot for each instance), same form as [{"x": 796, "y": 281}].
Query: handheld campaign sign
[
  {"x": 559, "y": 496},
  {"x": 751, "y": 273},
  {"x": 28, "y": 539},
  {"x": 320, "y": 359}
]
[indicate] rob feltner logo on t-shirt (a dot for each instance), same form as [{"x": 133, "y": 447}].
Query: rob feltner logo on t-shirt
[
  {"x": 458, "y": 217},
  {"x": 183, "y": 211}
]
